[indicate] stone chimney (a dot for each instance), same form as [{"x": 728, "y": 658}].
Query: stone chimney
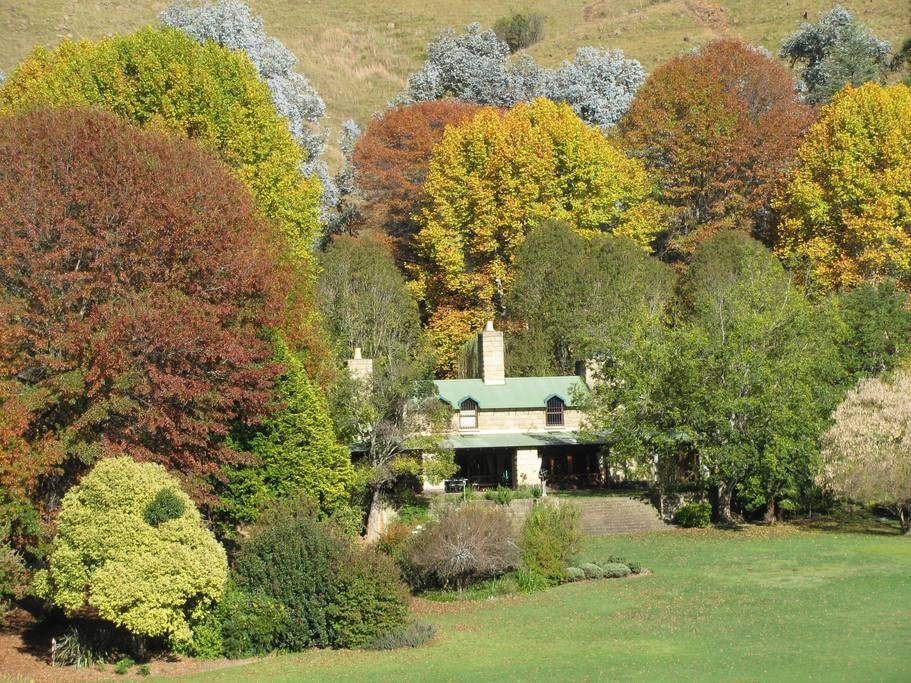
[
  {"x": 360, "y": 368},
  {"x": 588, "y": 371},
  {"x": 491, "y": 356}
]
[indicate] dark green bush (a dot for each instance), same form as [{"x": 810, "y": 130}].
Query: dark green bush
[
  {"x": 614, "y": 570},
  {"x": 369, "y": 598},
  {"x": 241, "y": 625},
  {"x": 123, "y": 665},
  {"x": 13, "y": 581},
  {"x": 411, "y": 635},
  {"x": 520, "y": 29},
  {"x": 550, "y": 538},
  {"x": 165, "y": 506},
  {"x": 694, "y": 515},
  {"x": 291, "y": 558},
  {"x": 634, "y": 567}
]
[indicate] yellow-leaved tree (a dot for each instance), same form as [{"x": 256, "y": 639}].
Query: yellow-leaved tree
[
  {"x": 846, "y": 208},
  {"x": 493, "y": 178}
]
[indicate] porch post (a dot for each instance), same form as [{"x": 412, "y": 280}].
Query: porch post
[{"x": 528, "y": 467}]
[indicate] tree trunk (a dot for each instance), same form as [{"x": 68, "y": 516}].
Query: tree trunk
[
  {"x": 771, "y": 512},
  {"x": 725, "y": 494},
  {"x": 904, "y": 519},
  {"x": 373, "y": 518}
]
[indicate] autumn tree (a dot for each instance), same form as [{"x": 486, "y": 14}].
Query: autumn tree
[
  {"x": 164, "y": 79},
  {"x": 867, "y": 451},
  {"x": 845, "y": 207},
  {"x": 834, "y": 52},
  {"x": 391, "y": 160},
  {"x": 385, "y": 416},
  {"x": 717, "y": 127},
  {"x": 493, "y": 178},
  {"x": 137, "y": 281}
]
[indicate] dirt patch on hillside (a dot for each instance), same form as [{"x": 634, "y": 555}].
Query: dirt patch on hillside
[{"x": 710, "y": 15}]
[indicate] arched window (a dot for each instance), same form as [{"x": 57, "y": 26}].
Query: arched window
[
  {"x": 555, "y": 408},
  {"x": 468, "y": 414}
]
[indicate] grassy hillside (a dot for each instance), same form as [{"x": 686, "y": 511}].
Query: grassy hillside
[{"x": 358, "y": 53}]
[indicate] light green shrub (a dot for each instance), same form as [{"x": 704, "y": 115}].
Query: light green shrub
[
  {"x": 694, "y": 515},
  {"x": 151, "y": 580},
  {"x": 615, "y": 570},
  {"x": 575, "y": 573},
  {"x": 550, "y": 538},
  {"x": 592, "y": 571}
]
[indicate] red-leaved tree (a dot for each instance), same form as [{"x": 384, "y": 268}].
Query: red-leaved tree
[
  {"x": 717, "y": 127},
  {"x": 136, "y": 281},
  {"x": 390, "y": 164}
]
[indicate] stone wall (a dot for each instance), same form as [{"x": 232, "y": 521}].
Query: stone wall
[{"x": 519, "y": 420}]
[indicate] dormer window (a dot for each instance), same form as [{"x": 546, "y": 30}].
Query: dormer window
[
  {"x": 555, "y": 408},
  {"x": 468, "y": 414}
]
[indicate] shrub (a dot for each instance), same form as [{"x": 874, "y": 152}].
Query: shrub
[
  {"x": 291, "y": 558},
  {"x": 591, "y": 570},
  {"x": 12, "y": 576},
  {"x": 550, "y": 538},
  {"x": 634, "y": 567},
  {"x": 530, "y": 581},
  {"x": 123, "y": 665},
  {"x": 536, "y": 491},
  {"x": 466, "y": 544},
  {"x": 575, "y": 573},
  {"x": 411, "y": 635},
  {"x": 520, "y": 29},
  {"x": 165, "y": 506},
  {"x": 242, "y": 625},
  {"x": 144, "y": 670},
  {"x": 614, "y": 570},
  {"x": 369, "y": 598},
  {"x": 694, "y": 515},
  {"x": 504, "y": 495},
  {"x": 153, "y": 581}
]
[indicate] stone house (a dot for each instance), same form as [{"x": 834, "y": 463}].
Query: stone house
[{"x": 508, "y": 430}]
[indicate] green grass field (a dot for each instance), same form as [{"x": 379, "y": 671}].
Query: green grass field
[
  {"x": 358, "y": 53},
  {"x": 756, "y": 605}
]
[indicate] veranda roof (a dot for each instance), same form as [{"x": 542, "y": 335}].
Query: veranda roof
[{"x": 519, "y": 440}]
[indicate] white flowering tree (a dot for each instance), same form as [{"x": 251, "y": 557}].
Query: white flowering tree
[
  {"x": 230, "y": 23},
  {"x": 867, "y": 451},
  {"x": 475, "y": 67}
]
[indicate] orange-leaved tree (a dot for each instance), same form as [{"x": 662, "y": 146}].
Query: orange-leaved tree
[
  {"x": 846, "y": 209},
  {"x": 493, "y": 178},
  {"x": 718, "y": 127},
  {"x": 391, "y": 160}
]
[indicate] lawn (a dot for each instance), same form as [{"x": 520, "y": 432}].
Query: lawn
[{"x": 760, "y": 604}]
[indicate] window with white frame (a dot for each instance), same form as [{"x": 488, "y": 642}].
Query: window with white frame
[
  {"x": 555, "y": 408},
  {"x": 468, "y": 414}
]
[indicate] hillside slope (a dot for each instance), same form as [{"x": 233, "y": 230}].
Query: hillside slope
[{"x": 358, "y": 53}]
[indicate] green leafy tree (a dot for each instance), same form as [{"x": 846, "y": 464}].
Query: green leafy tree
[
  {"x": 762, "y": 366},
  {"x": 574, "y": 298},
  {"x": 878, "y": 328},
  {"x": 153, "y": 580},
  {"x": 296, "y": 451},
  {"x": 366, "y": 303}
]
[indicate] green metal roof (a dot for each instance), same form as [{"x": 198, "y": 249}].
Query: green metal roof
[
  {"x": 516, "y": 392},
  {"x": 524, "y": 440}
]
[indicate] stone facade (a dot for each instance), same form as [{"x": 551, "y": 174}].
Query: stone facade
[{"x": 518, "y": 421}]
